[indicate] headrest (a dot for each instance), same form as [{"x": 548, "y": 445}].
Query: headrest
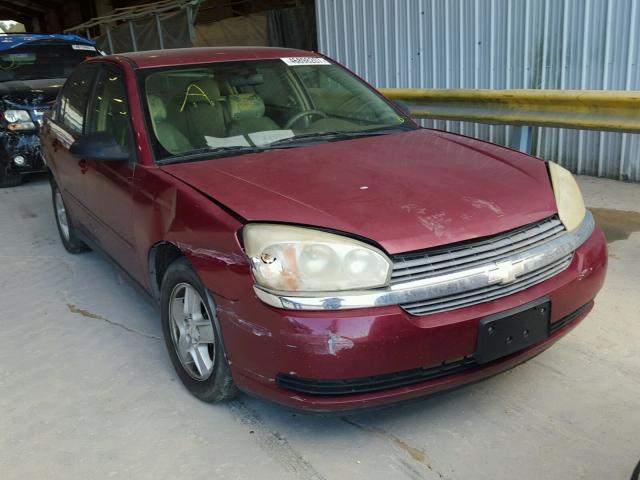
[
  {"x": 157, "y": 108},
  {"x": 203, "y": 90},
  {"x": 245, "y": 105},
  {"x": 210, "y": 87}
]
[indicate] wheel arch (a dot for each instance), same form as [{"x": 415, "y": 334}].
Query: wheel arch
[{"x": 161, "y": 255}]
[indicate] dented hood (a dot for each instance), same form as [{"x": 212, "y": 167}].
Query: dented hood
[
  {"x": 405, "y": 191},
  {"x": 26, "y": 93}
]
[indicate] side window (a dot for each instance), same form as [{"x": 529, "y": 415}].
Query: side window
[
  {"x": 109, "y": 108},
  {"x": 73, "y": 101}
]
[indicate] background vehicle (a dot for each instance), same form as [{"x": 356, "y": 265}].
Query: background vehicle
[
  {"x": 32, "y": 69},
  {"x": 306, "y": 240}
]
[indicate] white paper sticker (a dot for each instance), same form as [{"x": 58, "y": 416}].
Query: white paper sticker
[
  {"x": 222, "y": 142},
  {"x": 83, "y": 47},
  {"x": 296, "y": 61},
  {"x": 270, "y": 136}
]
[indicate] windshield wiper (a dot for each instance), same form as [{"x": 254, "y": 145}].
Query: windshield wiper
[
  {"x": 334, "y": 135},
  {"x": 208, "y": 153}
]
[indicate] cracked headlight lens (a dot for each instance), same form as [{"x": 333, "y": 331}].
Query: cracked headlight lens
[
  {"x": 571, "y": 209},
  {"x": 298, "y": 259}
]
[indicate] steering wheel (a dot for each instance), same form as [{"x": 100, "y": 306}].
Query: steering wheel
[{"x": 303, "y": 114}]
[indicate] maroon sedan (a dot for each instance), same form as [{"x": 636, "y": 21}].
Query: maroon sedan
[{"x": 306, "y": 240}]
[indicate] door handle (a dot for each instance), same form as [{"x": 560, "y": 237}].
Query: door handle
[{"x": 83, "y": 166}]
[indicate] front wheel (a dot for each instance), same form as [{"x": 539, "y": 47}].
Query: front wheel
[{"x": 192, "y": 335}]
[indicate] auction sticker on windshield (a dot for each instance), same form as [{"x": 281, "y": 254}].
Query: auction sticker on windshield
[{"x": 294, "y": 61}]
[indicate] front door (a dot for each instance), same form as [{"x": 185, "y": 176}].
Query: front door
[{"x": 113, "y": 183}]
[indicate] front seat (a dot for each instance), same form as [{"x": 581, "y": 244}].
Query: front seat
[
  {"x": 171, "y": 139},
  {"x": 246, "y": 111},
  {"x": 203, "y": 112}
]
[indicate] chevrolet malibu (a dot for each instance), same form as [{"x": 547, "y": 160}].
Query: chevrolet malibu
[{"x": 306, "y": 241}]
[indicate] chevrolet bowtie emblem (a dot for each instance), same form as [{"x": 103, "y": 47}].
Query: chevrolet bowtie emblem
[{"x": 506, "y": 272}]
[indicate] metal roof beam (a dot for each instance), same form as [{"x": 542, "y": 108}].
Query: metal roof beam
[{"x": 30, "y": 8}]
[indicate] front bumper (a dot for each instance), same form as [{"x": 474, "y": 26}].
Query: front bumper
[
  {"x": 266, "y": 344},
  {"x": 24, "y": 144}
]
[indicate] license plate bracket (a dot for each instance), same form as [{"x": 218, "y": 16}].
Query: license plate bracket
[{"x": 508, "y": 332}]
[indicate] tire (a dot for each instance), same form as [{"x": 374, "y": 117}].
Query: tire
[
  {"x": 192, "y": 335},
  {"x": 10, "y": 179},
  {"x": 66, "y": 229}
]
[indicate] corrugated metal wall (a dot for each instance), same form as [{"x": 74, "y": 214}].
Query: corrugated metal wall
[{"x": 551, "y": 44}]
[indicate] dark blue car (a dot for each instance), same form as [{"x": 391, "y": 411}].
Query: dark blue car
[{"x": 33, "y": 67}]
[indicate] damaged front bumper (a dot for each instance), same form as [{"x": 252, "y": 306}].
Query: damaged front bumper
[
  {"x": 20, "y": 152},
  {"x": 336, "y": 360}
]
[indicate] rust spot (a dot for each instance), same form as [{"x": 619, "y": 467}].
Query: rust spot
[
  {"x": 84, "y": 313},
  {"x": 616, "y": 224},
  {"x": 415, "y": 453}
]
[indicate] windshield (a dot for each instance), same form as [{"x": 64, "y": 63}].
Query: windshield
[
  {"x": 37, "y": 61},
  {"x": 235, "y": 107}
]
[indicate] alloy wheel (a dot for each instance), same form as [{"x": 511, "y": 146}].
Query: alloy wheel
[
  {"x": 192, "y": 332},
  {"x": 61, "y": 214}
]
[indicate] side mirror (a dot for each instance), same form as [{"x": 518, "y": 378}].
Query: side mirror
[{"x": 100, "y": 146}]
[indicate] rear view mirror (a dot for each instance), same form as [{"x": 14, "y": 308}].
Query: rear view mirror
[{"x": 100, "y": 146}]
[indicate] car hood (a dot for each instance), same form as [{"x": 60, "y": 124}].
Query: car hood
[
  {"x": 30, "y": 93},
  {"x": 405, "y": 191}
]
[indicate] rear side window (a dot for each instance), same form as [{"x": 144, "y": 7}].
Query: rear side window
[{"x": 73, "y": 101}]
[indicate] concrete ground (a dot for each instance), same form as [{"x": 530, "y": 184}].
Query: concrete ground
[{"x": 88, "y": 391}]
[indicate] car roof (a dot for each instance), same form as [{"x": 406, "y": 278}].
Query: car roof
[
  {"x": 190, "y": 56},
  {"x": 13, "y": 40}
]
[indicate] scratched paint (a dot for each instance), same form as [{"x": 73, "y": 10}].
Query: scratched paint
[
  {"x": 480, "y": 203},
  {"x": 229, "y": 259},
  {"x": 336, "y": 344},
  {"x": 247, "y": 326},
  {"x": 435, "y": 222}
]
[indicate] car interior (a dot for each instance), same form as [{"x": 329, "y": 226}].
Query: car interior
[{"x": 229, "y": 104}]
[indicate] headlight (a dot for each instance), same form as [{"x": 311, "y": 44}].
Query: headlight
[
  {"x": 18, "y": 120},
  {"x": 568, "y": 196},
  {"x": 300, "y": 259},
  {"x": 17, "y": 116}
]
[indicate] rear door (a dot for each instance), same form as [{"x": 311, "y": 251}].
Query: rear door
[
  {"x": 63, "y": 127},
  {"x": 113, "y": 183}
]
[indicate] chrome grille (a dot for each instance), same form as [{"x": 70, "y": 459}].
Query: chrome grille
[
  {"x": 423, "y": 265},
  {"x": 485, "y": 294},
  {"x": 419, "y": 265}
]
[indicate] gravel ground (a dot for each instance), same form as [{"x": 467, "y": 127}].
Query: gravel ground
[{"x": 88, "y": 391}]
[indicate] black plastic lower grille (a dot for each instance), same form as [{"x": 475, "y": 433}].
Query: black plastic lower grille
[
  {"x": 371, "y": 384},
  {"x": 354, "y": 386},
  {"x": 563, "y": 322}
]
